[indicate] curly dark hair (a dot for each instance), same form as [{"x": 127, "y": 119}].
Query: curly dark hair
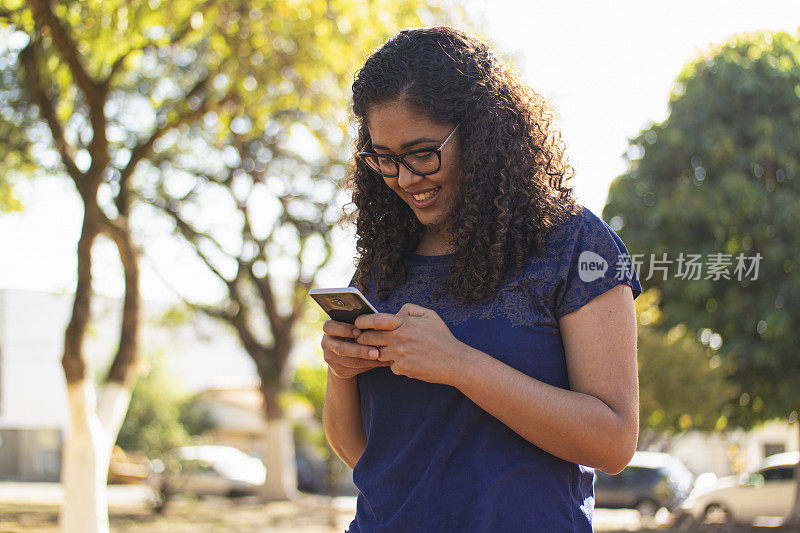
[{"x": 514, "y": 172}]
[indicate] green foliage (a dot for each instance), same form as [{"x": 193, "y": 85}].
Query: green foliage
[
  {"x": 176, "y": 316},
  {"x": 308, "y": 386},
  {"x": 683, "y": 384},
  {"x": 160, "y": 417},
  {"x": 8, "y": 202},
  {"x": 309, "y": 383},
  {"x": 15, "y": 155},
  {"x": 178, "y": 66},
  {"x": 720, "y": 175}
]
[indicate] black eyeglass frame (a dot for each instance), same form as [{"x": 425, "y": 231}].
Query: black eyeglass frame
[{"x": 400, "y": 158}]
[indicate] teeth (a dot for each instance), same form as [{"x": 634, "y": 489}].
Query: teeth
[{"x": 426, "y": 196}]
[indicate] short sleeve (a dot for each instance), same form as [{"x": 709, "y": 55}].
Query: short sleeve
[{"x": 593, "y": 260}]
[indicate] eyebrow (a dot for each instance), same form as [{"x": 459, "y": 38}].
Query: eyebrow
[{"x": 410, "y": 143}]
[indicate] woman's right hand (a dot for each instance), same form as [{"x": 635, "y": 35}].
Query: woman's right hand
[{"x": 346, "y": 358}]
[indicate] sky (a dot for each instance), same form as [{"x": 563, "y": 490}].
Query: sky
[{"x": 607, "y": 67}]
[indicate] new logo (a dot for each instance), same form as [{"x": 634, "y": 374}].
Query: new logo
[{"x": 591, "y": 266}]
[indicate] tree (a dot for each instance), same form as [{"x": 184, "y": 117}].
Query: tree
[
  {"x": 128, "y": 97},
  {"x": 66, "y": 90},
  {"x": 719, "y": 177},
  {"x": 253, "y": 188},
  {"x": 93, "y": 89}
]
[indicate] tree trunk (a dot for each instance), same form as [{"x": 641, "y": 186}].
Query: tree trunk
[
  {"x": 281, "y": 482},
  {"x": 92, "y": 431},
  {"x": 279, "y": 459},
  {"x": 93, "y": 424},
  {"x": 85, "y": 508}
]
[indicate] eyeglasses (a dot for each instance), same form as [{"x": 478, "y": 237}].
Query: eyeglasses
[{"x": 422, "y": 161}]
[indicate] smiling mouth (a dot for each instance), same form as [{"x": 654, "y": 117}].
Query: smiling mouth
[{"x": 426, "y": 196}]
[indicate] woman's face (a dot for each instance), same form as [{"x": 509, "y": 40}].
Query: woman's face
[{"x": 395, "y": 129}]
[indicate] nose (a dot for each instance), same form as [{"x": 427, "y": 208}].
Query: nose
[{"x": 406, "y": 178}]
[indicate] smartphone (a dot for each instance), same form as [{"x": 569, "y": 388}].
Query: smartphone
[{"x": 343, "y": 305}]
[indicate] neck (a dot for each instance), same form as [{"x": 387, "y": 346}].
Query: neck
[{"x": 435, "y": 243}]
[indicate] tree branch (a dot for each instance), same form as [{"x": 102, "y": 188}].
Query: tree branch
[
  {"x": 122, "y": 368},
  {"x": 183, "y": 31},
  {"x": 43, "y": 13},
  {"x": 194, "y": 236},
  {"x": 210, "y": 310},
  {"x": 145, "y": 148},
  {"x": 30, "y": 62},
  {"x": 8, "y": 13},
  {"x": 238, "y": 319},
  {"x": 301, "y": 287},
  {"x": 93, "y": 91},
  {"x": 213, "y": 312},
  {"x": 264, "y": 286}
]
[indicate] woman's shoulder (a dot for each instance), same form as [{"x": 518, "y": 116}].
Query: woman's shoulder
[
  {"x": 583, "y": 222},
  {"x": 581, "y": 237}
]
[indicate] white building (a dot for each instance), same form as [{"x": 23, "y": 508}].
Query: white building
[
  {"x": 33, "y": 411},
  {"x": 734, "y": 451}
]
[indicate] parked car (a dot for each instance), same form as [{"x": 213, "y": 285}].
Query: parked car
[
  {"x": 651, "y": 481},
  {"x": 208, "y": 470},
  {"x": 312, "y": 474},
  {"x": 766, "y": 491},
  {"x": 226, "y": 471}
]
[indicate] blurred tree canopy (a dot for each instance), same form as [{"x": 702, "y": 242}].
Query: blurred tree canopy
[
  {"x": 720, "y": 176},
  {"x": 14, "y": 154}
]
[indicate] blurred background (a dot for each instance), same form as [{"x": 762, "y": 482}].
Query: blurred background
[{"x": 171, "y": 188}]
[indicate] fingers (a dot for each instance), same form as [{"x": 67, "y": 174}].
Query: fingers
[
  {"x": 340, "y": 329},
  {"x": 348, "y": 349},
  {"x": 353, "y": 364},
  {"x": 383, "y": 321},
  {"x": 346, "y": 372},
  {"x": 345, "y": 357},
  {"x": 345, "y": 366}
]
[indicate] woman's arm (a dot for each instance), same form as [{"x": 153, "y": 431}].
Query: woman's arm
[
  {"x": 596, "y": 423},
  {"x": 341, "y": 414},
  {"x": 341, "y": 419}
]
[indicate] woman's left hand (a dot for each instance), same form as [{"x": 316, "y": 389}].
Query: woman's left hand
[{"x": 415, "y": 341}]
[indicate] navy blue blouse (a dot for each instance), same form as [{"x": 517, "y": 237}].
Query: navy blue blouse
[{"x": 434, "y": 460}]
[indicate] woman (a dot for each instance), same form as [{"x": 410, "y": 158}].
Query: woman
[{"x": 501, "y": 368}]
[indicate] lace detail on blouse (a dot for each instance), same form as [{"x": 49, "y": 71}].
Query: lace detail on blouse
[
  {"x": 548, "y": 287},
  {"x": 519, "y": 301}
]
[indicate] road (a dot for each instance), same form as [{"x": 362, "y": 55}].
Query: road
[{"x": 134, "y": 499}]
